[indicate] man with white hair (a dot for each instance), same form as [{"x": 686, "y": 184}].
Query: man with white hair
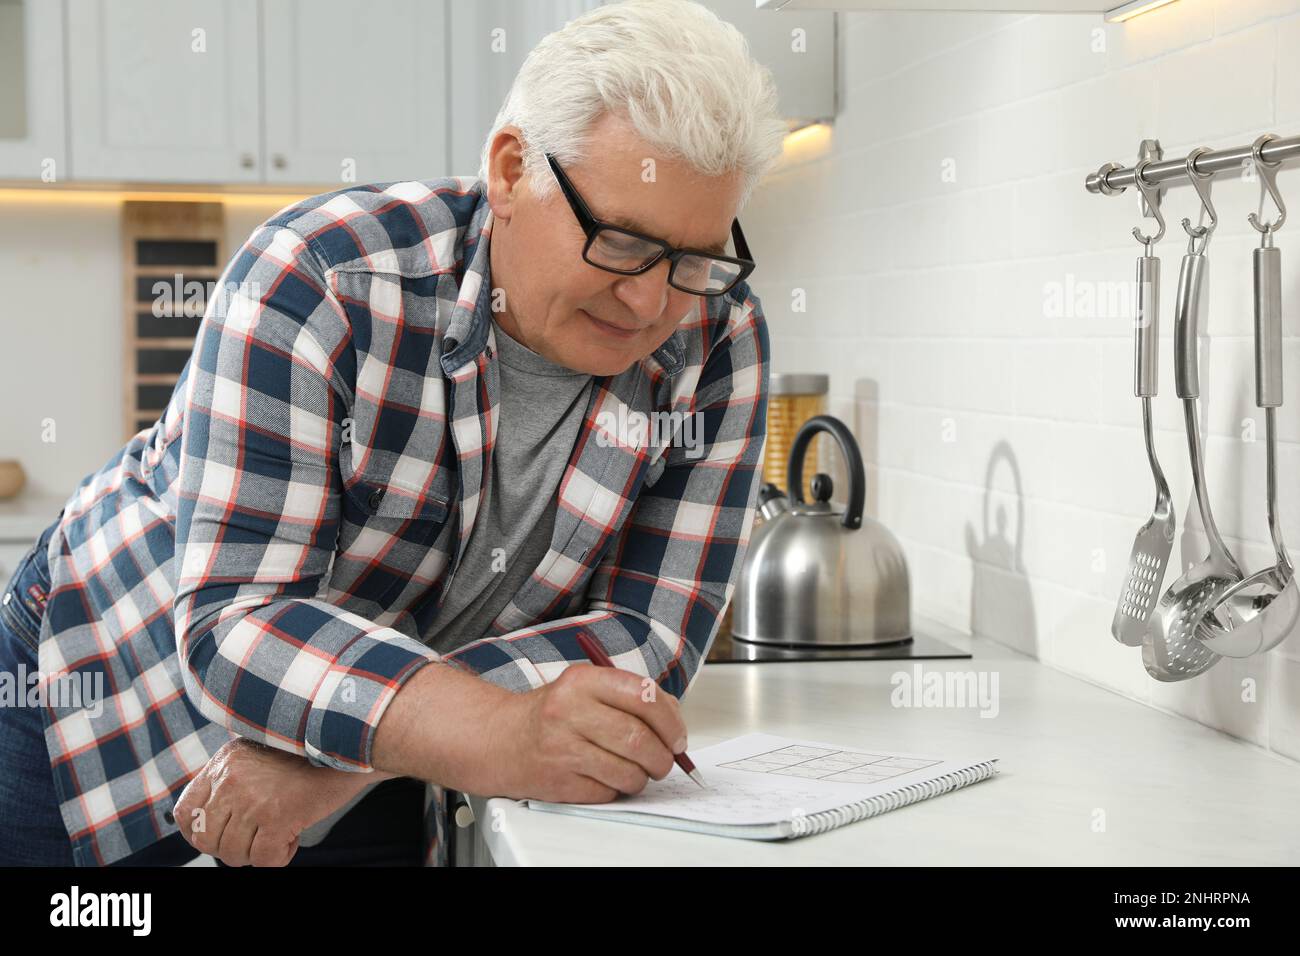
[{"x": 419, "y": 428}]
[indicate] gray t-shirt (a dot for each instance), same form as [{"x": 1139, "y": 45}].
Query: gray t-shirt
[{"x": 541, "y": 407}]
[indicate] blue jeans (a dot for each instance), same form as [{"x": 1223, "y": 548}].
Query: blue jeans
[{"x": 384, "y": 829}]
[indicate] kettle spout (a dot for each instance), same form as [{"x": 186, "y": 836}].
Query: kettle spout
[{"x": 772, "y": 501}]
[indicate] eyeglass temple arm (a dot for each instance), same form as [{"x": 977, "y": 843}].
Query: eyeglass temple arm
[
  {"x": 585, "y": 218},
  {"x": 742, "y": 247}
]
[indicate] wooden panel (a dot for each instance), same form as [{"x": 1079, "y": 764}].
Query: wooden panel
[{"x": 173, "y": 255}]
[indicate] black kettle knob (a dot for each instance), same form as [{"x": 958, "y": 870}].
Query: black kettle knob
[
  {"x": 852, "y": 459},
  {"x": 822, "y": 487},
  {"x": 768, "y": 492}
]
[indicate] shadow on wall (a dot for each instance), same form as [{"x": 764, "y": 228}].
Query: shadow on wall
[
  {"x": 866, "y": 428},
  {"x": 1001, "y": 602}
]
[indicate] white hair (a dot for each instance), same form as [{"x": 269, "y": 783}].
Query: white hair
[{"x": 680, "y": 75}]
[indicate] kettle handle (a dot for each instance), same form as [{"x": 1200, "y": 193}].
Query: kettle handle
[{"x": 852, "y": 459}]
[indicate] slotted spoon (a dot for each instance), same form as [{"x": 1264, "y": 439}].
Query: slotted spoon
[{"x": 1170, "y": 649}]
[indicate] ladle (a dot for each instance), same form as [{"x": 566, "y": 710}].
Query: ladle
[{"x": 1261, "y": 610}]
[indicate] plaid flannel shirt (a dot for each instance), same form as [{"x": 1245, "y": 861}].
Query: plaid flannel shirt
[{"x": 266, "y": 560}]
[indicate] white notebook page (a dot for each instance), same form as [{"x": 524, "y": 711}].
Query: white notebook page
[{"x": 761, "y": 778}]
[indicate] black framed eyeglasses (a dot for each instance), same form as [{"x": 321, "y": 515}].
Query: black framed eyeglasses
[{"x": 629, "y": 253}]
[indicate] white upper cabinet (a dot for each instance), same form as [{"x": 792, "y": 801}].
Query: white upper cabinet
[
  {"x": 302, "y": 92},
  {"x": 489, "y": 40},
  {"x": 164, "y": 90},
  {"x": 31, "y": 91},
  {"x": 355, "y": 92}
]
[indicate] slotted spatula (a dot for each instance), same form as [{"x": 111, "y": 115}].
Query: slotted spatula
[{"x": 1155, "y": 539}]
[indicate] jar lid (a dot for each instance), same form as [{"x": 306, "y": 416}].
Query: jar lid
[{"x": 799, "y": 383}]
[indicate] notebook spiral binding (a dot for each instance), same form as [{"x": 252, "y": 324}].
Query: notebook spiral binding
[{"x": 872, "y": 806}]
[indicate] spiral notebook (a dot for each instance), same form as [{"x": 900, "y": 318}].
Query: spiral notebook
[{"x": 764, "y": 787}]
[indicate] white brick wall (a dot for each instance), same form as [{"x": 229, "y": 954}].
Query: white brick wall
[{"x": 927, "y": 301}]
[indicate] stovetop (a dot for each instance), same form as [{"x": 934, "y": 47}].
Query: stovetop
[{"x": 921, "y": 646}]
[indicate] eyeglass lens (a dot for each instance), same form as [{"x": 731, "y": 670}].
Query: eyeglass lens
[{"x": 620, "y": 252}]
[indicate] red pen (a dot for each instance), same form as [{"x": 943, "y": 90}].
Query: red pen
[{"x": 597, "y": 655}]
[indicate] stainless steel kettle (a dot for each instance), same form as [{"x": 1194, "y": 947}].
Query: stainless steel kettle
[{"x": 817, "y": 574}]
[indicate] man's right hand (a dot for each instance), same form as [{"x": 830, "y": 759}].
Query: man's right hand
[{"x": 589, "y": 735}]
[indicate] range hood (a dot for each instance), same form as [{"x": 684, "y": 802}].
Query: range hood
[{"x": 964, "y": 6}]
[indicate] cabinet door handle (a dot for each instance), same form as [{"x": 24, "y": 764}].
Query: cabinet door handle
[
  {"x": 278, "y": 161},
  {"x": 246, "y": 160}
]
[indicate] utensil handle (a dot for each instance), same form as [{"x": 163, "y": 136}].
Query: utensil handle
[
  {"x": 1188, "y": 308},
  {"x": 1268, "y": 327},
  {"x": 1146, "y": 321}
]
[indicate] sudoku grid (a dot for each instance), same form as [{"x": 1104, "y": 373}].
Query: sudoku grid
[{"x": 842, "y": 766}]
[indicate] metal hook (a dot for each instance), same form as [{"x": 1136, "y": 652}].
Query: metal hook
[
  {"x": 1202, "y": 183},
  {"x": 1151, "y": 196},
  {"x": 1268, "y": 176}
]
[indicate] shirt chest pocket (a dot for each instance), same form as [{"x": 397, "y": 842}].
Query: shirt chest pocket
[
  {"x": 392, "y": 476},
  {"x": 371, "y": 501},
  {"x": 386, "y": 534},
  {"x": 390, "y": 519}
]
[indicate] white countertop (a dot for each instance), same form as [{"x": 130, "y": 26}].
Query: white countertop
[
  {"x": 1172, "y": 792},
  {"x": 24, "y": 517}
]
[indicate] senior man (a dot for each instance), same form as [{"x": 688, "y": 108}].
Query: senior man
[{"x": 405, "y": 467}]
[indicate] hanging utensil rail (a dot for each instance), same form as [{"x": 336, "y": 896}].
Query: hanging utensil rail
[
  {"x": 1112, "y": 179},
  {"x": 1214, "y": 608}
]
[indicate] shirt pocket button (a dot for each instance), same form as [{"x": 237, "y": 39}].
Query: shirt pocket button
[{"x": 375, "y": 498}]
